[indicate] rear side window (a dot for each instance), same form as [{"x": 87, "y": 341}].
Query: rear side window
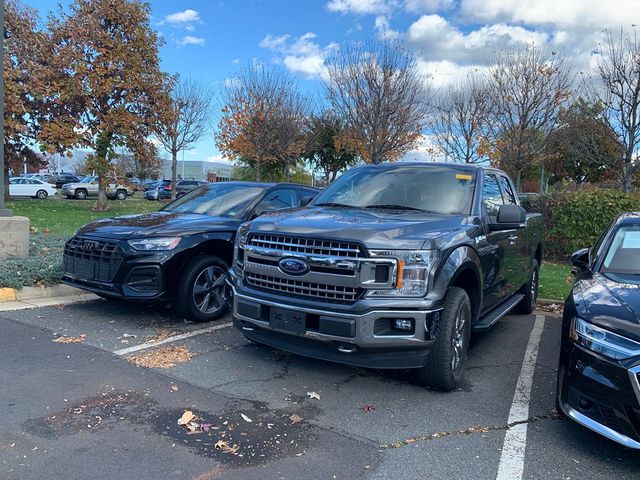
[
  {"x": 509, "y": 197},
  {"x": 491, "y": 196}
]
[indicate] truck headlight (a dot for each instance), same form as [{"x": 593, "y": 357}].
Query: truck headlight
[
  {"x": 155, "y": 244},
  {"x": 603, "y": 341},
  {"x": 412, "y": 272},
  {"x": 238, "y": 248}
]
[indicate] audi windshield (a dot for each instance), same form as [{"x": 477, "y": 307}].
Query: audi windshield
[{"x": 219, "y": 200}]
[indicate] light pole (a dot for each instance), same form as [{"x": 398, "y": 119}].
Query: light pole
[{"x": 4, "y": 212}]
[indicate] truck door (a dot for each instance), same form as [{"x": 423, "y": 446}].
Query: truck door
[{"x": 519, "y": 246}]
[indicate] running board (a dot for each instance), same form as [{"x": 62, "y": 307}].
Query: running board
[{"x": 486, "y": 322}]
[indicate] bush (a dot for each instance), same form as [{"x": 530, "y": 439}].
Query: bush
[
  {"x": 43, "y": 266},
  {"x": 574, "y": 220}
]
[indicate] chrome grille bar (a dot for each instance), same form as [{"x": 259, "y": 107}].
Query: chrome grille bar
[{"x": 307, "y": 246}]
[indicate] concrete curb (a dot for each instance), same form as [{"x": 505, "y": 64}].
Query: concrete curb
[{"x": 32, "y": 293}]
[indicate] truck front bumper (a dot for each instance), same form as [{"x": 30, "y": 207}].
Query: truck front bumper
[{"x": 355, "y": 337}]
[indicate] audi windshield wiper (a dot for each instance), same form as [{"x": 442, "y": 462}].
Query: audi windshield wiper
[
  {"x": 391, "y": 206},
  {"x": 332, "y": 204}
]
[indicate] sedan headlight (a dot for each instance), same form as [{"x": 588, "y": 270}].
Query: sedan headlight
[
  {"x": 603, "y": 341},
  {"x": 412, "y": 272},
  {"x": 155, "y": 244}
]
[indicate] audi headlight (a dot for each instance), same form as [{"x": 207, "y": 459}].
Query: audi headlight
[
  {"x": 412, "y": 272},
  {"x": 155, "y": 244},
  {"x": 603, "y": 341}
]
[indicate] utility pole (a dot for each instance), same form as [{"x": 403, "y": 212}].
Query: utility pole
[{"x": 4, "y": 212}]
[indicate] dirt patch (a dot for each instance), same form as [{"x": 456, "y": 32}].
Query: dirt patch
[
  {"x": 92, "y": 414},
  {"x": 161, "y": 334},
  {"x": 65, "y": 339},
  {"x": 230, "y": 439},
  {"x": 163, "y": 357}
]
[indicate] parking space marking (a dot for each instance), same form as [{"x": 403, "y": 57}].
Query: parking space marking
[
  {"x": 174, "y": 338},
  {"x": 515, "y": 440}
]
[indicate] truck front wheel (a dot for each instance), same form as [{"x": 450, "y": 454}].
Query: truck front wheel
[{"x": 445, "y": 364}]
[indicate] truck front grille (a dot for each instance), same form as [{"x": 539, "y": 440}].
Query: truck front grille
[
  {"x": 302, "y": 288},
  {"x": 307, "y": 246},
  {"x": 90, "y": 259}
]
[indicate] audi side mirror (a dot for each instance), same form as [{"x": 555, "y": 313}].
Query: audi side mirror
[{"x": 580, "y": 259}]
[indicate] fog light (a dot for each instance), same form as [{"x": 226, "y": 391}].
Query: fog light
[{"x": 404, "y": 324}]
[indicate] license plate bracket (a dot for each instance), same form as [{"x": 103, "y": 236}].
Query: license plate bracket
[{"x": 288, "y": 321}]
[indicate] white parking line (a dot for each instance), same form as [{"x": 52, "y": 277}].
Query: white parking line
[
  {"x": 175, "y": 338},
  {"x": 515, "y": 440}
]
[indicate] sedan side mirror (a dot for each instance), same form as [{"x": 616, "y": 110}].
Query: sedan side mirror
[{"x": 580, "y": 259}]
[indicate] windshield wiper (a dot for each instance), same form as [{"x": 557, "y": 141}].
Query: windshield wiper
[
  {"x": 332, "y": 204},
  {"x": 391, "y": 206}
]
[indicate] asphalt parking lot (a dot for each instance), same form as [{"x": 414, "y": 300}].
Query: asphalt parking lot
[{"x": 84, "y": 410}]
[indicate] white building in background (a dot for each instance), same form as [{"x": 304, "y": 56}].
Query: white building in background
[{"x": 199, "y": 170}]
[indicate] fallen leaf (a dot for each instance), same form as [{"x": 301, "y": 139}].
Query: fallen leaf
[
  {"x": 205, "y": 427},
  {"x": 245, "y": 418},
  {"x": 186, "y": 417},
  {"x": 313, "y": 395},
  {"x": 296, "y": 418},
  {"x": 173, "y": 388},
  {"x": 163, "y": 357},
  {"x": 368, "y": 408},
  {"x": 225, "y": 447},
  {"x": 63, "y": 339}
]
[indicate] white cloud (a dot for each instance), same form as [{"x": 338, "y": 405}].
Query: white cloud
[
  {"x": 191, "y": 40},
  {"x": 438, "y": 40},
  {"x": 182, "y": 18},
  {"x": 572, "y": 14},
  {"x": 361, "y": 6},
  {"x": 235, "y": 61},
  {"x": 301, "y": 55},
  {"x": 384, "y": 28},
  {"x": 444, "y": 73},
  {"x": 427, "y": 6},
  {"x": 425, "y": 151}
]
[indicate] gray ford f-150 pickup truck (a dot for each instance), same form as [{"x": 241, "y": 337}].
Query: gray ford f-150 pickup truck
[{"x": 391, "y": 266}]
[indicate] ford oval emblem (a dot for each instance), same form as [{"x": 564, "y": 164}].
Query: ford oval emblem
[{"x": 293, "y": 266}]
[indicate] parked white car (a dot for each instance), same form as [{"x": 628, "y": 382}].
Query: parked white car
[{"x": 30, "y": 187}]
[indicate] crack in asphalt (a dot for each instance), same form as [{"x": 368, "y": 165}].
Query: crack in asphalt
[{"x": 553, "y": 415}]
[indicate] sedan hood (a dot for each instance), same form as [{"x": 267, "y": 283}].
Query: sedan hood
[
  {"x": 157, "y": 224},
  {"x": 376, "y": 229},
  {"x": 610, "y": 301}
]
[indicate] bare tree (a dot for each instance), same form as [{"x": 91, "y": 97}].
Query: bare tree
[
  {"x": 186, "y": 121},
  {"x": 528, "y": 88},
  {"x": 262, "y": 121},
  {"x": 460, "y": 119},
  {"x": 619, "y": 72},
  {"x": 379, "y": 91}
]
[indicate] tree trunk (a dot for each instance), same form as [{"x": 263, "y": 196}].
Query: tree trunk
[
  {"x": 101, "y": 205},
  {"x": 257, "y": 171},
  {"x": 626, "y": 177},
  {"x": 102, "y": 150},
  {"x": 519, "y": 181},
  {"x": 6, "y": 181},
  {"x": 174, "y": 173}
]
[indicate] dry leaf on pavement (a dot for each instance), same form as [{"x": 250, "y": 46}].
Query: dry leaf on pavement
[
  {"x": 186, "y": 417},
  {"x": 313, "y": 395},
  {"x": 163, "y": 357},
  {"x": 174, "y": 388},
  {"x": 63, "y": 339},
  {"x": 245, "y": 418},
  {"x": 368, "y": 408},
  {"x": 226, "y": 448},
  {"x": 296, "y": 418}
]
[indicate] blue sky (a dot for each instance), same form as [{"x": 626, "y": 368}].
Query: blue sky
[{"x": 211, "y": 40}]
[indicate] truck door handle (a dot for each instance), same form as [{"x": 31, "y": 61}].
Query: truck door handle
[{"x": 512, "y": 239}]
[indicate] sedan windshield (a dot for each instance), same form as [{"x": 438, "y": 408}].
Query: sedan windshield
[
  {"x": 87, "y": 180},
  {"x": 220, "y": 200},
  {"x": 437, "y": 189},
  {"x": 623, "y": 256}
]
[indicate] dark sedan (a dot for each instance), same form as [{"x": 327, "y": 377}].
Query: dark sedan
[
  {"x": 178, "y": 255},
  {"x": 63, "y": 178},
  {"x": 599, "y": 369}
]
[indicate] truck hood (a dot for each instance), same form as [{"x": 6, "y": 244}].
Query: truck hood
[
  {"x": 376, "y": 229},
  {"x": 158, "y": 224}
]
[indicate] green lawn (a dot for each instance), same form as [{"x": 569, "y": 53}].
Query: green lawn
[
  {"x": 555, "y": 281},
  {"x": 62, "y": 216}
]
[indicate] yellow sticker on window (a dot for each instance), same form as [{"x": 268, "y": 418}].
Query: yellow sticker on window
[{"x": 462, "y": 176}]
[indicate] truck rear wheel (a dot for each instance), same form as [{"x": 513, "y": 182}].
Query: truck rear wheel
[
  {"x": 530, "y": 291},
  {"x": 445, "y": 364},
  {"x": 201, "y": 293}
]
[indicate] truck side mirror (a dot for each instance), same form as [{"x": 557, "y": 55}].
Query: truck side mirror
[
  {"x": 509, "y": 217},
  {"x": 580, "y": 259}
]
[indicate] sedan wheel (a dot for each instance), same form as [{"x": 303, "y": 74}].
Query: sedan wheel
[
  {"x": 121, "y": 195},
  {"x": 42, "y": 194}
]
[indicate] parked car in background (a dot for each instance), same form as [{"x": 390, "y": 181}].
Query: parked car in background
[
  {"x": 391, "y": 266},
  {"x": 151, "y": 184},
  {"x": 185, "y": 186},
  {"x": 88, "y": 187},
  {"x": 158, "y": 192},
  {"x": 30, "y": 187},
  {"x": 46, "y": 177},
  {"x": 181, "y": 253},
  {"x": 599, "y": 368},
  {"x": 65, "y": 178}
]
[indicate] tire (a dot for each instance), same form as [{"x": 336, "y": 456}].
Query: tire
[
  {"x": 41, "y": 194},
  {"x": 81, "y": 194},
  {"x": 530, "y": 291},
  {"x": 445, "y": 364},
  {"x": 121, "y": 195},
  {"x": 202, "y": 290}
]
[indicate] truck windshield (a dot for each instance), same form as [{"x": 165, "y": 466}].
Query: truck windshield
[
  {"x": 438, "y": 189},
  {"x": 220, "y": 200}
]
